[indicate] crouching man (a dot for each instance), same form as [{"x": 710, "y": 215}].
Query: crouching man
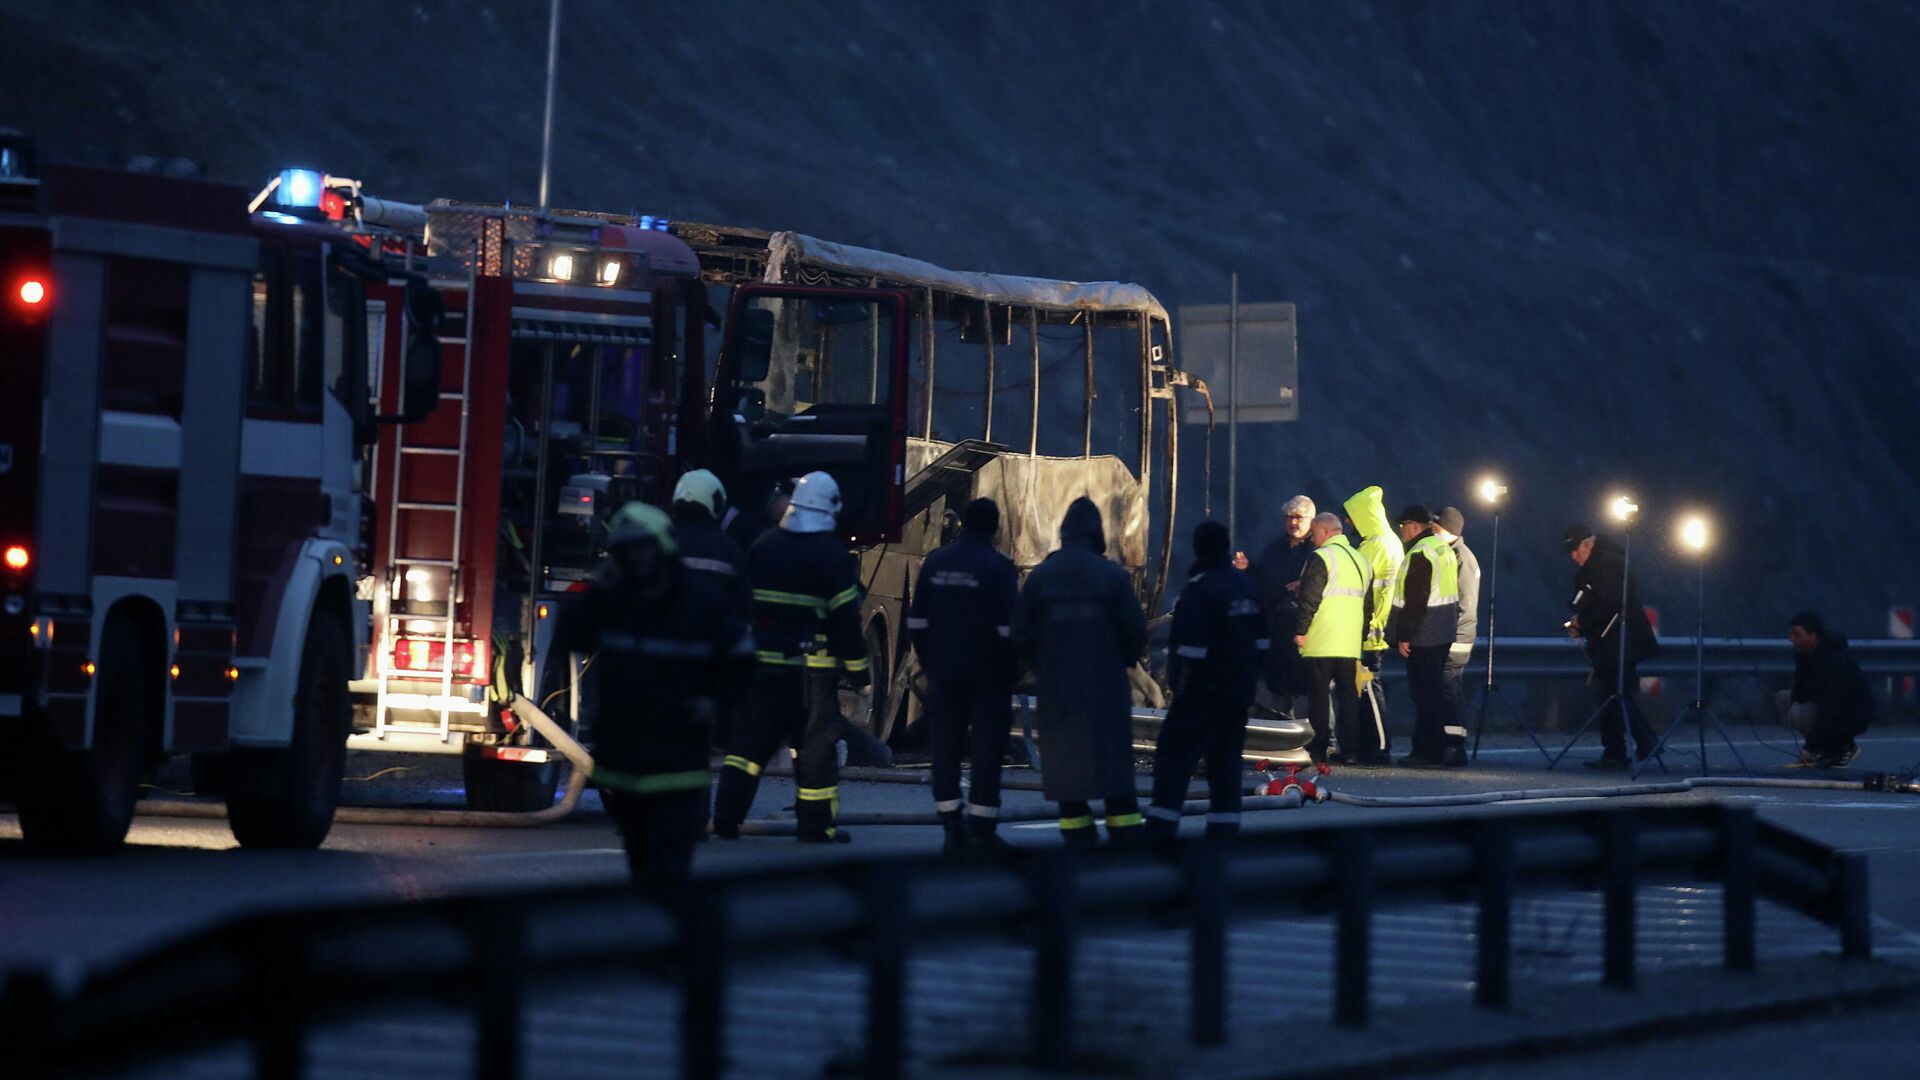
[{"x": 1830, "y": 702}]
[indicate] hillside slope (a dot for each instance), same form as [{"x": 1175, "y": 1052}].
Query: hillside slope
[{"x": 1666, "y": 246}]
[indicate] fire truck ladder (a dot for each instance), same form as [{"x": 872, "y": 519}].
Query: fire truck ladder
[{"x": 398, "y": 564}]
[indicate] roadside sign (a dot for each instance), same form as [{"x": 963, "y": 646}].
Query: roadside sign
[
  {"x": 1900, "y": 622},
  {"x": 1269, "y": 350}
]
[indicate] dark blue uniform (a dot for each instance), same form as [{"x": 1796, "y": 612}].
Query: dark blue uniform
[
  {"x": 806, "y": 631},
  {"x": 1218, "y": 645},
  {"x": 658, "y": 663},
  {"x": 960, "y": 622}
]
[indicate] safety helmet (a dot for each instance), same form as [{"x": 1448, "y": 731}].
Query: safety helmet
[
  {"x": 703, "y": 489},
  {"x": 638, "y": 521},
  {"x": 814, "y": 506}
]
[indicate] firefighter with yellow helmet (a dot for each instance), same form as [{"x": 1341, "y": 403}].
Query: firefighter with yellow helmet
[{"x": 663, "y": 645}]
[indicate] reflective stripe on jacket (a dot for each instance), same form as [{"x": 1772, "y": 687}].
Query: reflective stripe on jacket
[{"x": 1340, "y": 620}]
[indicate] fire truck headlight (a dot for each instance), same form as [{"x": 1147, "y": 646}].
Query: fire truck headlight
[
  {"x": 610, "y": 272},
  {"x": 560, "y": 268}
]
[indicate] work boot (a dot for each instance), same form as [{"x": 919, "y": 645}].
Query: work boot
[
  {"x": 1126, "y": 837},
  {"x": 831, "y": 836},
  {"x": 732, "y": 798},
  {"x": 954, "y": 822},
  {"x": 814, "y": 818},
  {"x": 983, "y": 833},
  {"x": 1609, "y": 762},
  {"x": 1085, "y": 838}
]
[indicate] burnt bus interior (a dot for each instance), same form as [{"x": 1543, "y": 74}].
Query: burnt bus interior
[{"x": 1028, "y": 391}]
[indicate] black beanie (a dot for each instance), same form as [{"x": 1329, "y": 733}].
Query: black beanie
[
  {"x": 982, "y": 516},
  {"x": 1577, "y": 535},
  {"x": 1210, "y": 540},
  {"x": 1419, "y": 513}
]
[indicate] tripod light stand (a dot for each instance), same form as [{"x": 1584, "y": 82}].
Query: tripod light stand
[
  {"x": 1694, "y": 536},
  {"x": 1624, "y": 509},
  {"x": 1493, "y": 492}
]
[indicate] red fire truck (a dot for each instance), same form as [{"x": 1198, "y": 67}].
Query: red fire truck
[{"x": 183, "y": 448}]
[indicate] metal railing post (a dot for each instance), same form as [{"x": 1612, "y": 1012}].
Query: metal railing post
[
  {"x": 1619, "y": 881},
  {"x": 1493, "y": 974},
  {"x": 1850, "y": 890},
  {"x": 1207, "y": 903},
  {"x": 703, "y": 1011},
  {"x": 1353, "y": 926},
  {"x": 1739, "y": 884},
  {"x": 884, "y": 893},
  {"x": 1053, "y": 894},
  {"x": 279, "y": 1037},
  {"x": 498, "y": 943}
]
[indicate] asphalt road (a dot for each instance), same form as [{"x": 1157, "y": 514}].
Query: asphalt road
[{"x": 180, "y": 874}]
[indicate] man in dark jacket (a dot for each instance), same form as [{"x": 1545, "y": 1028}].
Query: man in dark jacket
[
  {"x": 1080, "y": 627},
  {"x": 1277, "y": 572},
  {"x": 1830, "y": 702},
  {"x": 1213, "y": 661},
  {"x": 664, "y": 645},
  {"x": 1422, "y": 626},
  {"x": 1597, "y": 621},
  {"x": 806, "y": 629},
  {"x": 709, "y": 554},
  {"x": 961, "y": 622}
]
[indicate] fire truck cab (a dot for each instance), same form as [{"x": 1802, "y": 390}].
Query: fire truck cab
[{"x": 183, "y": 451}]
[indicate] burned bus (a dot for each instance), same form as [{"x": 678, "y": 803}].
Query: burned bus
[{"x": 920, "y": 388}]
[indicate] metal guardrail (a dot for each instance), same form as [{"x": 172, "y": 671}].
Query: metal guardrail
[
  {"x": 268, "y": 979},
  {"x": 1561, "y": 657}
]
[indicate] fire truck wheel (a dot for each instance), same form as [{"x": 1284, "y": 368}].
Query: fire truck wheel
[
  {"x": 284, "y": 798},
  {"x": 80, "y": 802},
  {"x": 514, "y": 787}
]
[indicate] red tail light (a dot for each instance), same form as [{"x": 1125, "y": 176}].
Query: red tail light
[
  {"x": 427, "y": 656},
  {"x": 33, "y": 292},
  {"x": 18, "y": 558}
]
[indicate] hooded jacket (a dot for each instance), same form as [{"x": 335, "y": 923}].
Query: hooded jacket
[
  {"x": 1469, "y": 624},
  {"x": 1596, "y": 605},
  {"x": 1381, "y": 546},
  {"x": 1831, "y": 679},
  {"x": 1080, "y": 626}
]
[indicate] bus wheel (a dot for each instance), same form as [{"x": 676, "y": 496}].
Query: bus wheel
[
  {"x": 285, "y": 797},
  {"x": 80, "y": 802},
  {"x": 515, "y": 787}
]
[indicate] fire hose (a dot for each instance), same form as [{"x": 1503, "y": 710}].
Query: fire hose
[
  {"x": 403, "y": 815},
  {"x": 1291, "y": 796}
]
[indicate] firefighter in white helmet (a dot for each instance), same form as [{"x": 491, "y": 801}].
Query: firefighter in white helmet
[
  {"x": 664, "y": 645},
  {"x": 806, "y": 626}
]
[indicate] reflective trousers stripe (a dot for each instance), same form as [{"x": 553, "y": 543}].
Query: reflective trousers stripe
[
  {"x": 819, "y": 794},
  {"x": 1163, "y": 813},
  {"x": 946, "y": 806},
  {"x": 983, "y": 810},
  {"x": 650, "y": 783},
  {"x": 779, "y": 659},
  {"x": 770, "y": 596},
  {"x": 844, "y": 597},
  {"x": 1121, "y": 821},
  {"x": 1084, "y": 821},
  {"x": 914, "y": 622},
  {"x": 1452, "y": 730},
  {"x": 751, "y": 768}
]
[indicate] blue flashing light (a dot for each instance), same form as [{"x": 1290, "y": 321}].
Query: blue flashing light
[
  {"x": 660, "y": 224},
  {"x": 299, "y": 188},
  {"x": 646, "y": 221}
]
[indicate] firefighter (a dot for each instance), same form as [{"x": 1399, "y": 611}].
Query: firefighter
[
  {"x": 1381, "y": 547},
  {"x": 960, "y": 622},
  {"x": 664, "y": 646},
  {"x": 1331, "y": 615},
  {"x": 708, "y": 553},
  {"x": 1080, "y": 626},
  {"x": 806, "y": 629},
  {"x": 1426, "y": 610},
  {"x": 1214, "y": 660}
]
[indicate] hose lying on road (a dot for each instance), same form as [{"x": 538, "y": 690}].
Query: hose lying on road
[
  {"x": 403, "y": 815},
  {"x": 1669, "y": 787},
  {"x": 1045, "y": 812}
]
